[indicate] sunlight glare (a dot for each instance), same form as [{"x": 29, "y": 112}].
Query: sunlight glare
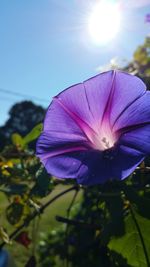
[{"x": 104, "y": 22}]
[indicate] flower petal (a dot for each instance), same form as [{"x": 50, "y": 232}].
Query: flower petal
[
  {"x": 94, "y": 167},
  {"x": 72, "y": 111},
  {"x": 98, "y": 90},
  {"x": 135, "y": 115},
  {"x": 138, "y": 139},
  {"x": 117, "y": 164},
  {"x": 111, "y": 93},
  {"x": 74, "y": 100},
  {"x": 127, "y": 89},
  {"x": 125, "y": 161},
  {"x": 64, "y": 166},
  {"x": 88, "y": 167},
  {"x": 54, "y": 143},
  {"x": 58, "y": 120}
]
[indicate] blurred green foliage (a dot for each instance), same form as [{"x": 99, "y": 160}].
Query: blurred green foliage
[
  {"x": 110, "y": 227},
  {"x": 140, "y": 64},
  {"x": 23, "y": 116}
]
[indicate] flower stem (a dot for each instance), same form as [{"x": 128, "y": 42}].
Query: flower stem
[{"x": 37, "y": 213}]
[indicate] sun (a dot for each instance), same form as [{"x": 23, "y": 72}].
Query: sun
[{"x": 104, "y": 22}]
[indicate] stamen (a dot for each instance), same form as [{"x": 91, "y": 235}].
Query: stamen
[{"x": 106, "y": 142}]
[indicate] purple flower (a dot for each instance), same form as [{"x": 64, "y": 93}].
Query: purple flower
[{"x": 97, "y": 130}]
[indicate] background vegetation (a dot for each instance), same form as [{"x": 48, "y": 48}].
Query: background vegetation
[{"x": 47, "y": 222}]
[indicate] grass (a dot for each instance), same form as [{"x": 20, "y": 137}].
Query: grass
[{"x": 47, "y": 223}]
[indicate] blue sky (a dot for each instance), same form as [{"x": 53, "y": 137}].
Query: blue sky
[{"x": 45, "y": 46}]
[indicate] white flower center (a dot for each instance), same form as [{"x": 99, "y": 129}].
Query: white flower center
[{"x": 104, "y": 138}]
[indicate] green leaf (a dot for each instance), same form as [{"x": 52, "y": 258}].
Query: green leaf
[
  {"x": 34, "y": 134},
  {"x": 142, "y": 203},
  {"x": 15, "y": 189},
  {"x": 44, "y": 183},
  {"x": 134, "y": 245},
  {"x": 43, "y": 179},
  {"x": 17, "y": 140},
  {"x": 14, "y": 213}
]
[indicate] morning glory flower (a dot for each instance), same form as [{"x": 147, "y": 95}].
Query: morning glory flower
[{"x": 97, "y": 130}]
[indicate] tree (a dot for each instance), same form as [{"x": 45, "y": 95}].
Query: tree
[
  {"x": 140, "y": 65},
  {"x": 23, "y": 117}
]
